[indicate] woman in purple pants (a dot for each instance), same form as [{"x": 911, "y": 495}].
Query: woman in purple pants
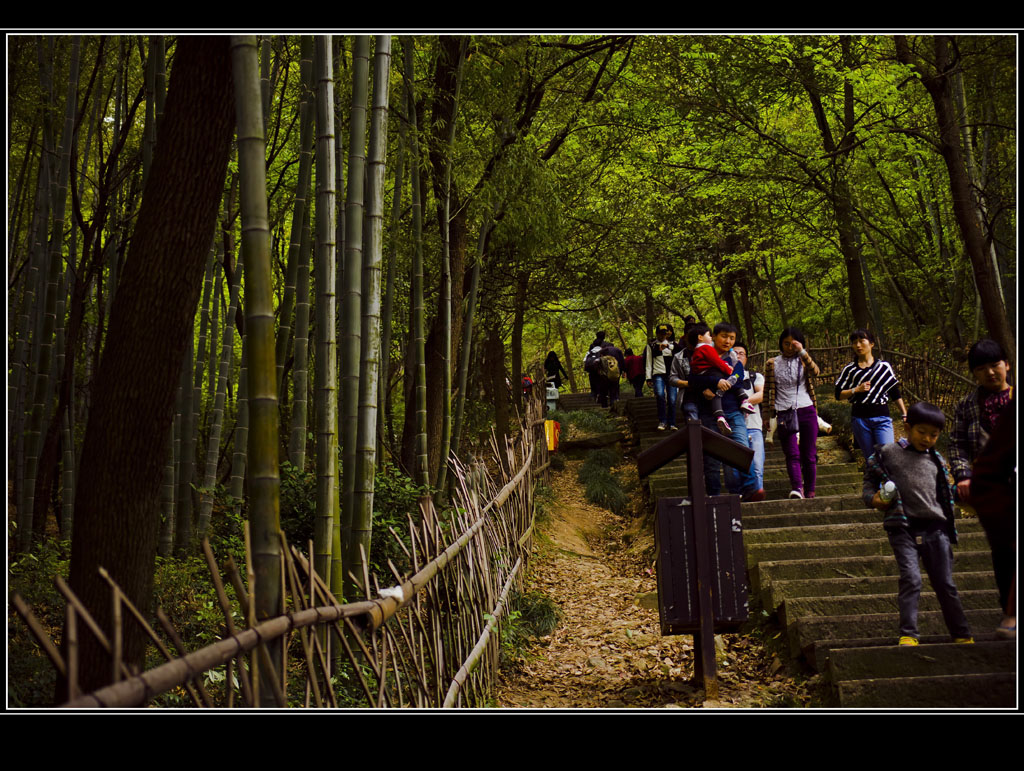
[{"x": 792, "y": 405}]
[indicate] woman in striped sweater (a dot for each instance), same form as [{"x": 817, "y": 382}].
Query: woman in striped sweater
[{"x": 869, "y": 384}]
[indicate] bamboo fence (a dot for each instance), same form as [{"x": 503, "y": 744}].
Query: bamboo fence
[{"x": 431, "y": 639}]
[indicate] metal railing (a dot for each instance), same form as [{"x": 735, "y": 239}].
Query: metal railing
[{"x": 923, "y": 375}]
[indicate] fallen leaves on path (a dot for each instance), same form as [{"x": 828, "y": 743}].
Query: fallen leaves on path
[{"x": 608, "y": 651}]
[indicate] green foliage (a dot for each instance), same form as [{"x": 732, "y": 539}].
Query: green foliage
[
  {"x": 31, "y": 678},
  {"x": 537, "y": 616},
  {"x": 586, "y": 421},
  {"x": 184, "y": 589},
  {"x": 395, "y": 499},
  {"x": 543, "y": 498},
  {"x": 298, "y": 504},
  {"x": 602, "y": 487},
  {"x": 227, "y": 528}
]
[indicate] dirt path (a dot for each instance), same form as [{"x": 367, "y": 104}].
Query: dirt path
[{"x": 608, "y": 650}]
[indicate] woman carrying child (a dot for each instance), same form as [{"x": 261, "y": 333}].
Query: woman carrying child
[
  {"x": 793, "y": 407},
  {"x": 869, "y": 384}
]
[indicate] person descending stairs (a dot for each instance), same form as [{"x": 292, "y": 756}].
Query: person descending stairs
[{"x": 824, "y": 569}]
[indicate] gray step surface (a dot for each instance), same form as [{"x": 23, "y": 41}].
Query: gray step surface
[
  {"x": 952, "y": 691},
  {"x": 886, "y": 661},
  {"x": 811, "y": 630},
  {"x": 776, "y": 592},
  {"x": 800, "y": 608}
]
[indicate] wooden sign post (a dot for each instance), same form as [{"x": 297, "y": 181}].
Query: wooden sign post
[{"x": 701, "y": 573}]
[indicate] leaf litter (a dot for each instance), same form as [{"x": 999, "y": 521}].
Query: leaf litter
[{"x": 608, "y": 651}]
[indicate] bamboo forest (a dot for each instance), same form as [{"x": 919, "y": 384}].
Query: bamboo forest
[{"x": 301, "y": 409}]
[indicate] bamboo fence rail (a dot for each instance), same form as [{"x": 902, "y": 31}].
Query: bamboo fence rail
[{"x": 429, "y": 640}]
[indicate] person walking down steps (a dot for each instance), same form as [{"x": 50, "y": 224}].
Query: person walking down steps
[
  {"x": 792, "y": 407},
  {"x": 658, "y": 365},
  {"x": 907, "y": 480}
]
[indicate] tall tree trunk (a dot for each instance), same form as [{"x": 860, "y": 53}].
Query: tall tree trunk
[
  {"x": 264, "y": 478},
  {"x": 467, "y": 336},
  {"x": 351, "y": 301},
  {"x": 445, "y": 306},
  {"x": 327, "y": 535},
  {"x": 213, "y": 446},
  {"x": 567, "y": 352},
  {"x": 300, "y": 376},
  {"x": 150, "y": 326},
  {"x": 421, "y": 467},
  {"x": 299, "y": 207},
  {"x": 366, "y": 442},
  {"x": 384, "y": 397},
  {"x": 938, "y": 83},
  {"x": 522, "y": 284},
  {"x": 44, "y": 483}
]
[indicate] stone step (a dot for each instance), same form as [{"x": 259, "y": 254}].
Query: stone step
[
  {"x": 648, "y": 434},
  {"x": 800, "y": 608},
  {"x": 829, "y": 550},
  {"x": 804, "y": 633},
  {"x": 997, "y": 689},
  {"x": 804, "y": 518},
  {"x": 665, "y": 486},
  {"x": 834, "y": 532},
  {"x": 792, "y": 505},
  {"x": 764, "y": 574},
  {"x": 777, "y": 591},
  {"x": 888, "y": 661},
  {"x": 831, "y": 474}
]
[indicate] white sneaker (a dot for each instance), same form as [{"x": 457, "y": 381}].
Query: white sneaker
[
  {"x": 823, "y": 426},
  {"x": 750, "y": 409},
  {"x": 795, "y": 494},
  {"x": 661, "y": 426},
  {"x": 724, "y": 428}
]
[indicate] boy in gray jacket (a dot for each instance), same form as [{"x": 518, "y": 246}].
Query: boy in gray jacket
[{"x": 918, "y": 506}]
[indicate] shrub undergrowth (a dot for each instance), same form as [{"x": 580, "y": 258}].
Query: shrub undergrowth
[{"x": 601, "y": 486}]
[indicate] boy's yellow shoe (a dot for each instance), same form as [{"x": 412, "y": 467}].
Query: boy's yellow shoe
[
  {"x": 963, "y": 640},
  {"x": 908, "y": 640}
]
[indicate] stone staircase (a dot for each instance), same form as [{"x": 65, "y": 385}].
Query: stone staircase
[{"x": 824, "y": 568}]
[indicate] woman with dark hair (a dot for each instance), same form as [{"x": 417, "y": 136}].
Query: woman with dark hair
[
  {"x": 869, "y": 384},
  {"x": 635, "y": 372},
  {"x": 793, "y": 407},
  {"x": 553, "y": 369}
]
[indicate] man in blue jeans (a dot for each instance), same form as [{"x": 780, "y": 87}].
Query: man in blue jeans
[
  {"x": 658, "y": 364},
  {"x": 737, "y": 481}
]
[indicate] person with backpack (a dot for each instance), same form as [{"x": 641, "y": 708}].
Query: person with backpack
[
  {"x": 612, "y": 365},
  {"x": 592, "y": 364}
]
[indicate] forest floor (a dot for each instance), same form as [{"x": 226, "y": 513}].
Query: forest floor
[{"x": 607, "y": 651}]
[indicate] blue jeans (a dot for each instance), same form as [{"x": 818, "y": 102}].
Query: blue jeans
[
  {"x": 666, "y": 395},
  {"x": 868, "y": 432},
  {"x": 690, "y": 411},
  {"x": 755, "y": 440},
  {"x": 937, "y": 555},
  {"x": 738, "y": 482}
]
